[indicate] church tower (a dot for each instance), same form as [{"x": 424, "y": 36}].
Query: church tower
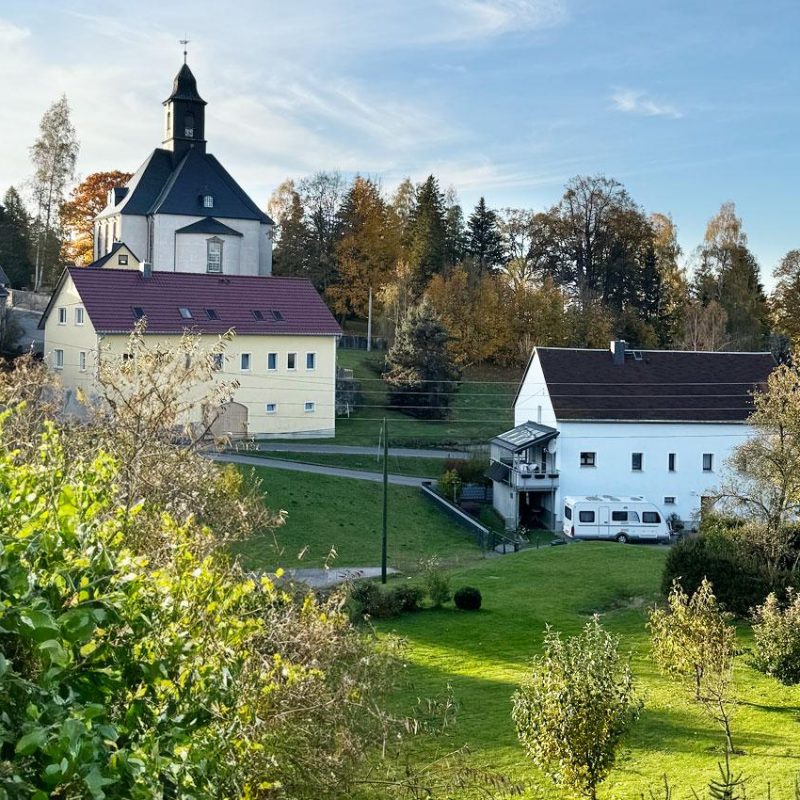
[{"x": 184, "y": 122}]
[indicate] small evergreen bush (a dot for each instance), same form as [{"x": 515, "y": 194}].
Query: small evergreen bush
[
  {"x": 409, "y": 598},
  {"x": 468, "y": 598}
]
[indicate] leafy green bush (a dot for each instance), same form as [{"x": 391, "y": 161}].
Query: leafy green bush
[
  {"x": 125, "y": 679},
  {"x": 436, "y": 582},
  {"x": 740, "y": 583},
  {"x": 409, "y": 597},
  {"x": 776, "y": 632},
  {"x": 470, "y": 470},
  {"x": 368, "y": 599},
  {"x": 449, "y": 485},
  {"x": 468, "y": 598}
]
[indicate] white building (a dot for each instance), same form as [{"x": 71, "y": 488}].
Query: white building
[
  {"x": 182, "y": 211},
  {"x": 656, "y": 423}
]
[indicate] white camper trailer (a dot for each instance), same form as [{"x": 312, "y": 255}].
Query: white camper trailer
[{"x": 624, "y": 519}]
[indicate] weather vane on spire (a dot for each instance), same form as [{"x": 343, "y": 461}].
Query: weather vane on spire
[{"x": 184, "y": 42}]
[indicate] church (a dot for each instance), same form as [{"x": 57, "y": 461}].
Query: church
[{"x": 184, "y": 247}]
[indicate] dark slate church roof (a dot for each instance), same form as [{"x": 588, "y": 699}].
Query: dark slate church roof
[
  {"x": 163, "y": 186},
  {"x": 209, "y": 225},
  {"x": 653, "y": 385},
  {"x": 111, "y": 295},
  {"x": 184, "y": 87}
]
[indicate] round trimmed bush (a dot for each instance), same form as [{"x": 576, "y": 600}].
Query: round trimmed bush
[{"x": 468, "y": 598}]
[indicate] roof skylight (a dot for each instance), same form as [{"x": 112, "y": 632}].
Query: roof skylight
[
  {"x": 211, "y": 313},
  {"x": 185, "y": 312},
  {"x": 138, "y": 312}
]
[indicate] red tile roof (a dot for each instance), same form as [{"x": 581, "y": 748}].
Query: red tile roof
[{"x": 111, "y": 295}]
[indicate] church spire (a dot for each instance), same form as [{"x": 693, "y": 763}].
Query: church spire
[{"x": 185, "y": 113}]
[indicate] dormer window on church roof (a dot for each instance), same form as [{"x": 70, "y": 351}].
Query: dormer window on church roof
[{"x": 208, "y": 201}]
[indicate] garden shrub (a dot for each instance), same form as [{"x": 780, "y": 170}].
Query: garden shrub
[
  {"x": 409, "y": 598},
  {"x": 776, "y": 632},
  {"x": 740, "y": 582},
  {"x": 449, "y": 485},
  {"x": 468, "y": 598},
  {"x": 469, "y": 470},
  {"x": 367, "y": 599},
  {"x": 436, "y": 582}
]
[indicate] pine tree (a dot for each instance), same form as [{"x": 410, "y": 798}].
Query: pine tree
[
  {"x": 15, "y": 240},
  {"x": 420, "y": 371},
  {"x": 426, "y": 243},
  {"x": 291, "y": 256},
  {"x": 485, "y": 244},
  {"x": 54, "y": 155}
]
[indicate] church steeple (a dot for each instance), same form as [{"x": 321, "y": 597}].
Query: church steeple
[{"x": 185, "y": 115}]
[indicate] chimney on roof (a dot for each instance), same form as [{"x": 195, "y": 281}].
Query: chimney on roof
[
  {"x": 146, "y": 270},
  {"x": 617, "y": 348}
]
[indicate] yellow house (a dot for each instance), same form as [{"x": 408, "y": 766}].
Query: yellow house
[{"x": 283, "y": 355}]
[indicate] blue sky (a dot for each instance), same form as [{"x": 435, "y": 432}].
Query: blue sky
[{"x": 689, "y": 104}]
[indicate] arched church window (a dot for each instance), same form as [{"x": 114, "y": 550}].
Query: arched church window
[{"x": 188, "y": 125}]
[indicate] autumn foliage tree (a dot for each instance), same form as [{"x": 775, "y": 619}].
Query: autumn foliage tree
[{"x": 77, "y": 214}]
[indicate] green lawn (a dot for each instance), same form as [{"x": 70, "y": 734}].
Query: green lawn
[
  {"x": 481, "y": 409},
  {"x": 484, "y": 656},
  {"x": 418, "y": 467},
  {"x": 325, "y": 512}
]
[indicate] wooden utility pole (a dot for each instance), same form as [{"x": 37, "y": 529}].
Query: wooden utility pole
[
  {"x": 384, "y": 538},
  {"x": 369, "y": 324}
]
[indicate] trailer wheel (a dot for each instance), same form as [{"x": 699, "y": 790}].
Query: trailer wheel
[{"x": 622, "y": 538}]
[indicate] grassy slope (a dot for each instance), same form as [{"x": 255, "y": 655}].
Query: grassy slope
[
  {"x": 347, "y": 514},
  {"x": 418, "y": 467},
  {"x": 483, "y": 656},
  {"x": 479, "y": 411}
]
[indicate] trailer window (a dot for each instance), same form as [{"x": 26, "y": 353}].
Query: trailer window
[
  {"x": 567, "y": 512},
  {"x": 651, "y": 517},
  {"x": 586, "y": 516},
  {"x": 619, "y": 516}
]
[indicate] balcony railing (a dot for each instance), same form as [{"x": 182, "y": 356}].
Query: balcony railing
[{"x": 531, "y": 477}]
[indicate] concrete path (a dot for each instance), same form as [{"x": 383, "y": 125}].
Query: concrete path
[
  {"x": 339, "y": 472},
  {"x": 350, "y": 450},
  {"x": 328, "y": 578}
]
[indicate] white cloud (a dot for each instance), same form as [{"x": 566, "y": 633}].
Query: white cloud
[
  {"x": 11, "y": 34},
  {"x": 631, "y": 101}
]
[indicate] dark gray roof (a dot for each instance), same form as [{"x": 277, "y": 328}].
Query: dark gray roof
[
  {"x": 524, "y": 436},
  {"x": 103, "y": 260},
  {"x": 653, "y": 385},
  {"x": 184, "y": 87},
  {"x": 209, "y": 225},
  {"x": 164, "y": 185}
]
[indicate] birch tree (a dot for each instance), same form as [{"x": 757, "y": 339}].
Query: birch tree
[{"x": 54, "y": 155}]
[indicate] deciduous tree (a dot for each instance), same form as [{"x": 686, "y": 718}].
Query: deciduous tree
[
  {"x": 785, "y": 300},
  {"x": 77, "y": 214},
  {"x": 573, "y": 711},
  {"x": 54, "y": 155},
  {"x": 694, "y": 643}
]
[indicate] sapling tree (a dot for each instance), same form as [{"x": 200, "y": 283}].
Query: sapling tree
[
  {"x": 573, "y": 710},
  {"x": 694, "y": 643},
  {"x": 776, "y": 631}
]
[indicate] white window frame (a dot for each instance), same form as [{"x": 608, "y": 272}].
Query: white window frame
[
  {"x": 313, "y": 357},
  {"x": 249, "y": 367},
  {"x": 122, "y": 260},
  {"x": 274, "y": 358},
  {"x": 62, "y": 315},
  {"x": 310, "y": 407},
  {"x": 292, "y": 356},
  {"x": 82, "y": 361},
  {"x": 80, "y": 315},
  {"x": 271, "y": 408},
  {"x": 214, "y": 267},
  {"x": 208, "y": 201},
  {"x": 58, "y": 359}
]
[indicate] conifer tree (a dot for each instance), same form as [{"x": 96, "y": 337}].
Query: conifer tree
[
  {"x": 291, "y": 256},
  {"x": 15, "y": 240},
  {"x": 426, "y": 240},
  {"x": 420, "y": 371},
  {"x": 485, "y": 242}
]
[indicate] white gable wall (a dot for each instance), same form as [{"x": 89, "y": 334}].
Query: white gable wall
[
  {"x": 614, "y": 442},
  {"x": 533, "y": 402}
]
